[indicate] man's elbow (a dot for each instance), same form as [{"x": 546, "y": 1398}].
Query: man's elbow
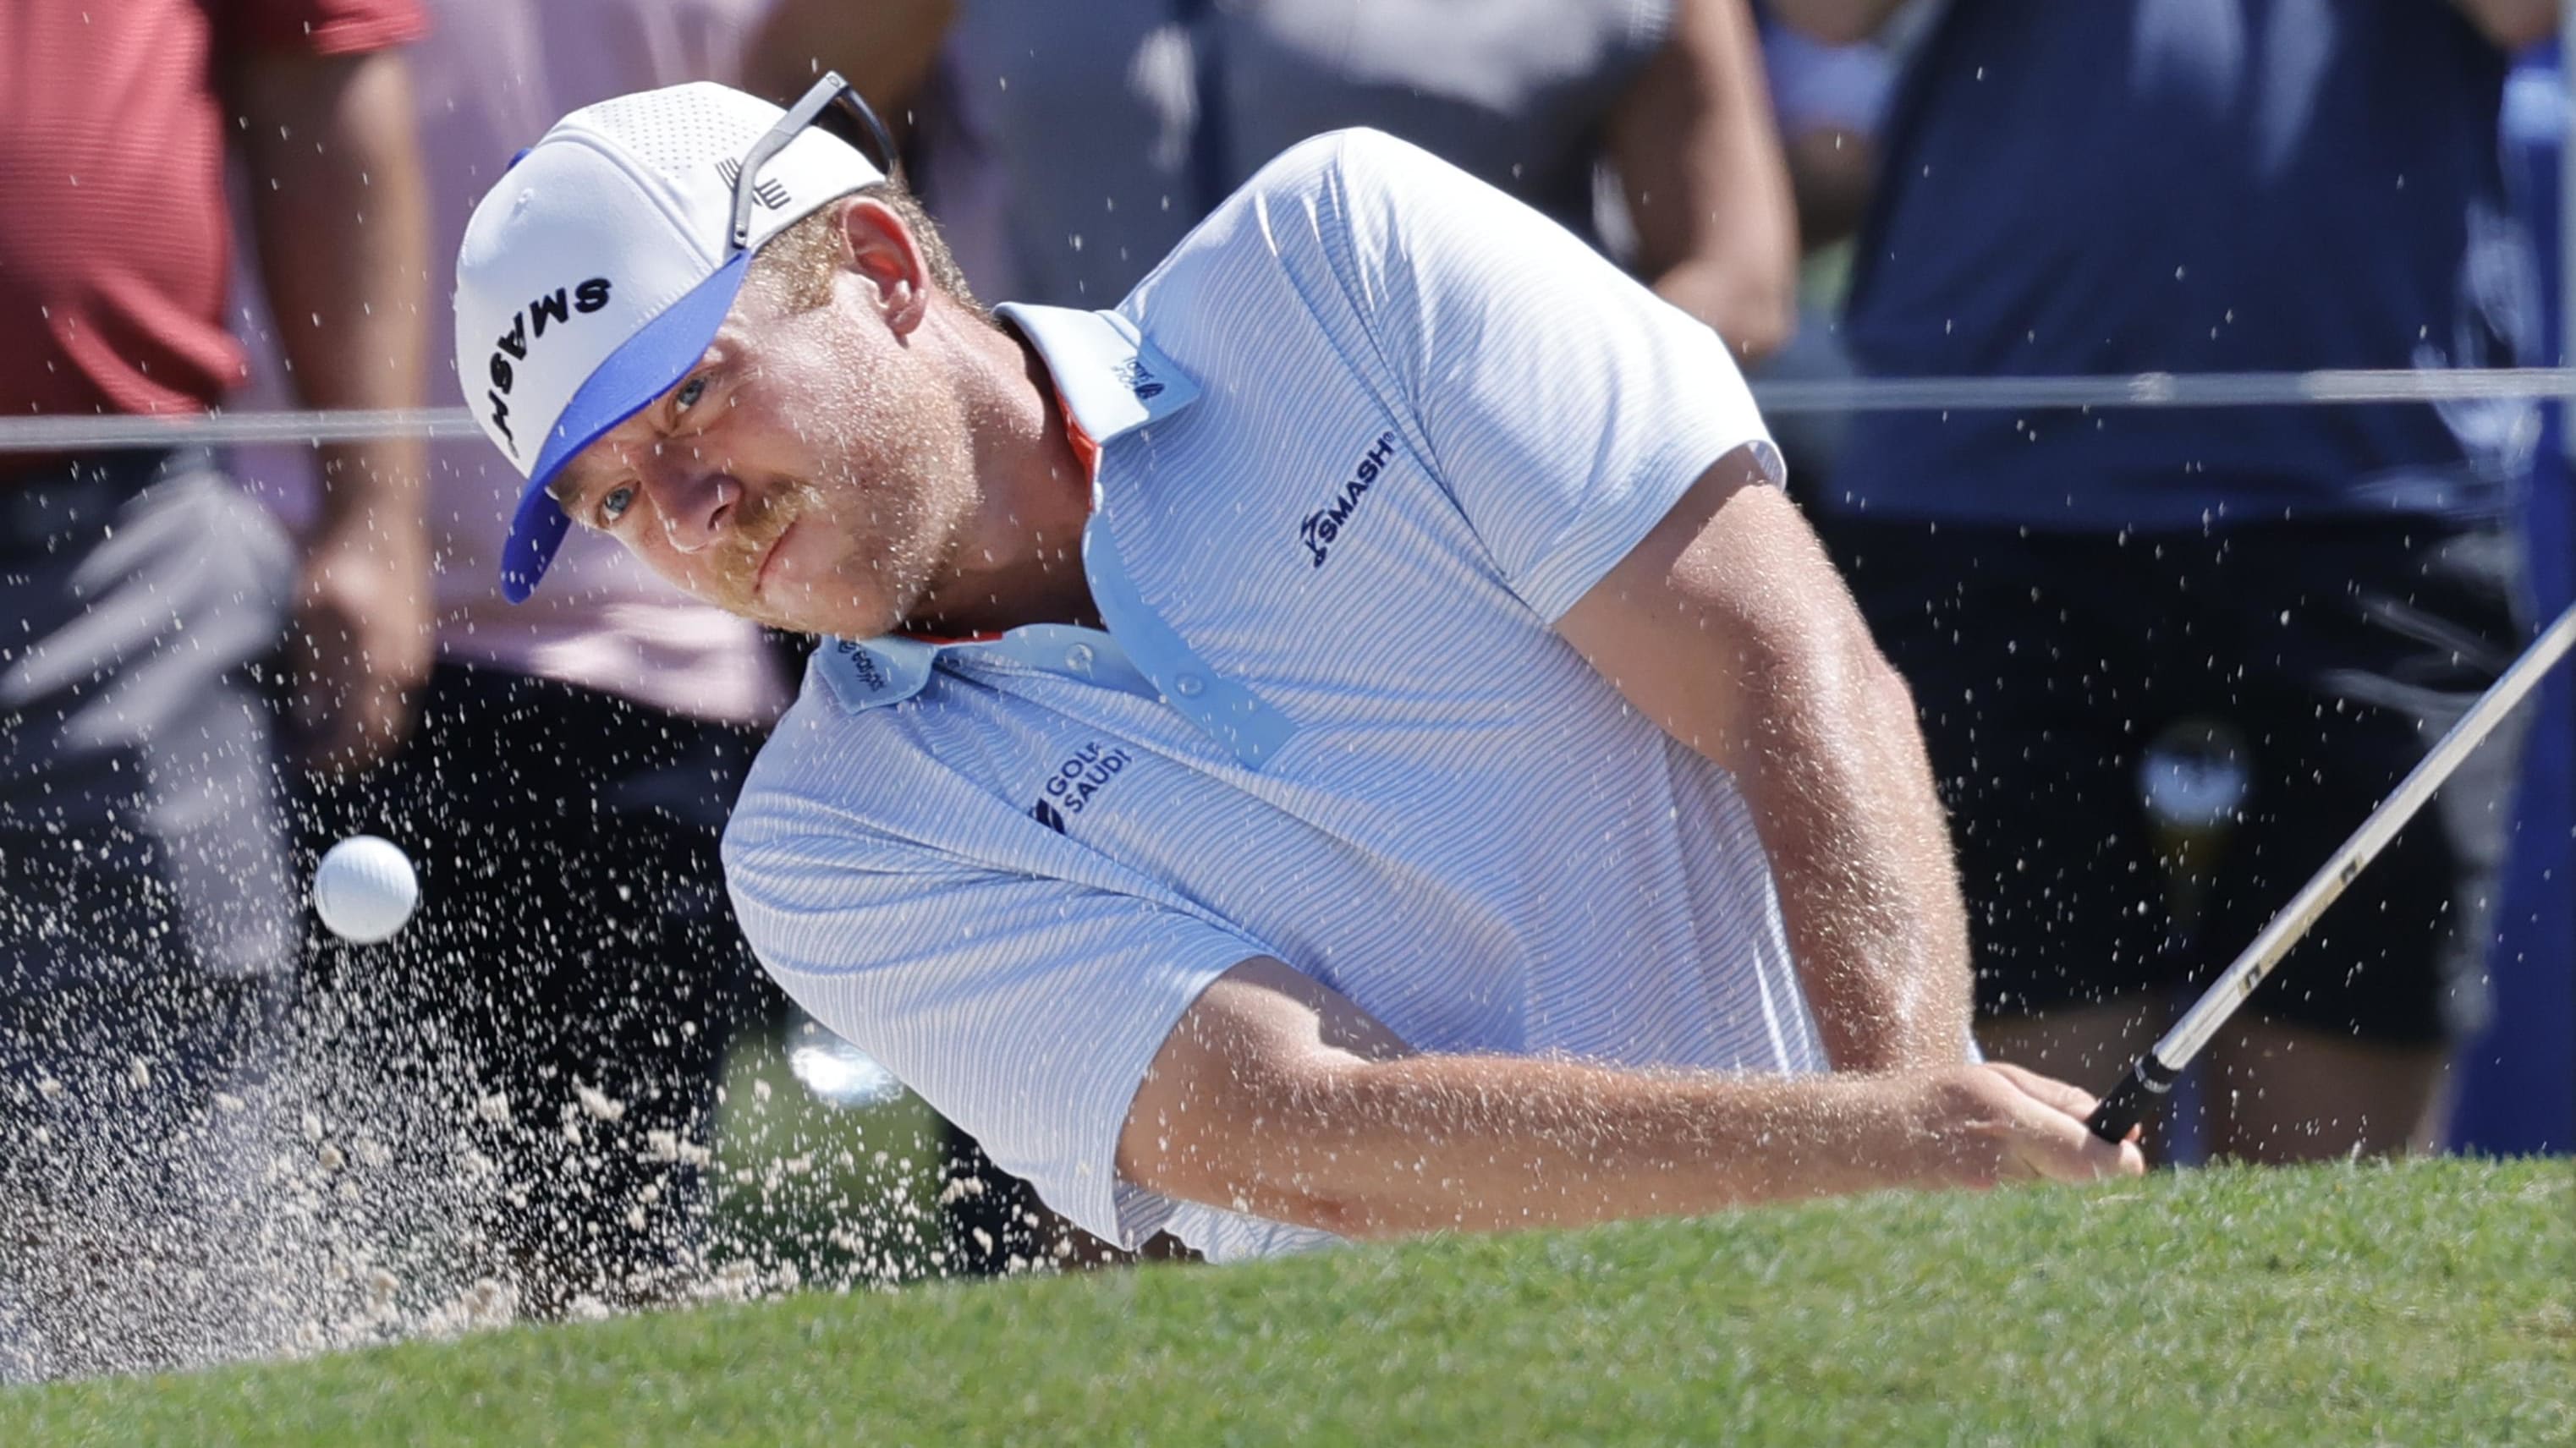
[
  {"x": 1239, "y": 1184},
  {"x": 1828, "y": 657},
  {"x": 1279, "y": 1145},
  {"x": 1263, "y": 1182},
  {"x": 1347, "y": 1216},
  {"x": 1352, "y": 1206},
  {"x": 1889, "y": 696}
]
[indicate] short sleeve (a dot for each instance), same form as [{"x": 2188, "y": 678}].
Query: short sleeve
[
  {"x": 322, "y": 27},
  {"x": 1565, "y": 406},
  {"x": 1026, "y": 1009}
]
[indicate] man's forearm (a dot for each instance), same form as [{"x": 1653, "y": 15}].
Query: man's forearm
[
  {"x": 1842, "y": 796},
  {"x": 1490, "y": 1143},
  {"x": 1729, "y": 628},
  {"x": 342, "y": 236},
  {"x": 1278, "y": 1096},
  {"x": 331, "y": 141},
  {"x": 1708, "y": 189}
]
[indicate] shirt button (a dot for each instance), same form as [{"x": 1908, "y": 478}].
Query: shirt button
[
  {"x": 1078, "y": 658},
  {"x": 1189, "y": 686}
]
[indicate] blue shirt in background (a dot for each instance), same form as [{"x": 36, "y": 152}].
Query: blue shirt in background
[{"x": 2116, "y": 186}]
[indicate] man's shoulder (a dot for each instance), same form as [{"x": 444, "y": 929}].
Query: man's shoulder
[
  {"x": 799, "y": 779},
  {"x": 1354, "y": 155},
  {"x": 1318, "y": 201},
  {"x": 1332, "y": 237}
]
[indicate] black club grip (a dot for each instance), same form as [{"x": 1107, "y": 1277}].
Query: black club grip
[{"x": 2130, "y": 1101}]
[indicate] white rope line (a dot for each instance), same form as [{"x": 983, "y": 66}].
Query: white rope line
[
  {"x": 2168, "y": 389},
  {"x": 1866, "y": 394},
  {"x": 230, "y": 429}
]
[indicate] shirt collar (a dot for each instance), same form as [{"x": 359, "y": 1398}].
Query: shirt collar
[{"x": 1112, "y": 380}]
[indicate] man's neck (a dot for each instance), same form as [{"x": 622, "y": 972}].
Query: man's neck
[{"x": 1021, "y": 561}]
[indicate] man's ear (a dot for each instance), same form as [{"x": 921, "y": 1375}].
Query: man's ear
[{"x": 882, "y": 253}]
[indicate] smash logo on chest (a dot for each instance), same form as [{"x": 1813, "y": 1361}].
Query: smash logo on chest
[
  {"x": 1076, "y": 780},
  {"x": 1323, "y": 527},
  {"x": 527, "y": 327}
]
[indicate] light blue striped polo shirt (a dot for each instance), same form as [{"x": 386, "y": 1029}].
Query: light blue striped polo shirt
[{"x": 1363, "y": 437}]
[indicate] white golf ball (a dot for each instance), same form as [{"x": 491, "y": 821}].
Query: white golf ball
[{"x": 364, "y": 889}]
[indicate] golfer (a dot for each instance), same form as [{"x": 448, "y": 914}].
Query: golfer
[{"x": 1350, "y": 741}]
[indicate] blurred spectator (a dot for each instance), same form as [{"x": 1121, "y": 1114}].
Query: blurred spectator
[
  {"x": 1100, "y": 180},
  {"x": 1827, "y": 101},
  {"x": 885, "y": 49},
  {"x": 145, "y": 907},
  {"x": 575, "y": 975},
  {"x": 2302, "y": 597}
]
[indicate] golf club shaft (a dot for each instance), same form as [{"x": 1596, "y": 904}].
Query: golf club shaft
[{"x": 2153, "y": 1074}]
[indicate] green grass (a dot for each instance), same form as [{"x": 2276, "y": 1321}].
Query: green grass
[{"x": 2428, "y": 1303}]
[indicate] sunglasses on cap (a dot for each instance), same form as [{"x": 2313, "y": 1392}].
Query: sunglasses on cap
[{"x": 831, "y": 104}]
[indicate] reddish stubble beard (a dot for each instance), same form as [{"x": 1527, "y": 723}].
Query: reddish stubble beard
[
  {"x": 891, "y": 509},
  {"x": 729, "y": 575}
]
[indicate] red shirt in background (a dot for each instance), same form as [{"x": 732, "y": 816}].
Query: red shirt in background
[{"x": 112, "y": 213}]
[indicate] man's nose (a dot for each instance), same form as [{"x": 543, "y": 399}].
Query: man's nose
[{"x": 696, "y": 502}]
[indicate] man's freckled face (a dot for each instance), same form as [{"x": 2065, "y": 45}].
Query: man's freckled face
[{"x": 810, "y": 473}]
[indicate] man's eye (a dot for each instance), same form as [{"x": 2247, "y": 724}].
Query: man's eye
[
  {"x": 689, "y": 393},
  {"x": 614, "y": 503}
]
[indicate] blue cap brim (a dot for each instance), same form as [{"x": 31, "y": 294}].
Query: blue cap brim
[{"x": 642, "y": 368}]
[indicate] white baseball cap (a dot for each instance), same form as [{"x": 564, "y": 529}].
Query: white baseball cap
[{"x": 593, "y": 275}]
